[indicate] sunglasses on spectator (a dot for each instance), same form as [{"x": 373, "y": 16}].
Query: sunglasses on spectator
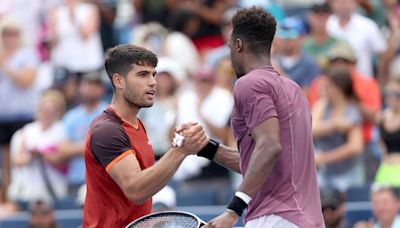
[{"x": 395, "y": 94}]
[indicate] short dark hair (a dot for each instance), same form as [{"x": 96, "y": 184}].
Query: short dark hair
[
  {"x": 120, "y": 58},
  {"x": 256, "y": 27}
]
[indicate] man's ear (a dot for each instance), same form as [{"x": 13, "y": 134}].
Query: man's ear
[
  {"x": 118, "y": 80},
  {"x": 239, "y": 45}
]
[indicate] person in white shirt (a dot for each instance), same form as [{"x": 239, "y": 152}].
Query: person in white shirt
[{"x": 360, "y": 32}]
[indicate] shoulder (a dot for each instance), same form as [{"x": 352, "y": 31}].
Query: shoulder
[
  {"x": 363, "y": 21},
  {"x": 256, "y": 80}
]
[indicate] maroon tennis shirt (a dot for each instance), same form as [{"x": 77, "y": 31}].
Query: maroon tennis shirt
[{"x": 291, "y": 191}]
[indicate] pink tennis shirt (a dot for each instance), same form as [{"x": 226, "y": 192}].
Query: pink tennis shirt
[{"x": 291, "y": 191}]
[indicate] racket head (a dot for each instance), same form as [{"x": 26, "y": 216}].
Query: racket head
[{"x": 168, "y": 219}]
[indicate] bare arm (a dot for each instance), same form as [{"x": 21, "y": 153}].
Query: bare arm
[
  {"x": 228, "y": 158},
  {"x": 263, "y": 158},
  {"x": 320, "y": 127},
  {"x": 24, "y": 77},
  {"x": 353, "y": 147},
  {"x": 266, "y": 151},
  {"x": 66, "y": 151},
  {"x": 140, "y": 185},
  {"x": 91, "y": 24}
]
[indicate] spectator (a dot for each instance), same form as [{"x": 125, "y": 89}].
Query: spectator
[
  {"x": 337, "y": 134},
  {"x": 18, "y": 66},
  {"x": 295, "y": 64},
  {"x": 41, "y": 215},
  {"x": 159, "y": 119},
  {"x": 333, "y": 208},
  {"x": 76, "y": 123},
  {"x": 154, "y": 10},
  {"x": 76, "y": 44},
  {"x": 27, "y": 14},
  {"x": 389, "y": 124},
  {"x": 41, "y": 180},
  {"x": 342, "y": 56},
  {"x": 318, "y": 43},
  {"x": 108, "y": 12},
  {"x": 215, "y": 55},
  {"x": 210, "y": 13},
  {"x": 360, "y": 32},
  {"x": 175, "y": 45},
  {"x": 385, "y": 208},
  {"x": 393, "y": 27}
]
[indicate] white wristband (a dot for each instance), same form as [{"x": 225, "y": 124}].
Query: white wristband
[{"x": 246, "y": 198}]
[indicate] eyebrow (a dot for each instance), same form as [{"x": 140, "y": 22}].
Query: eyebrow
[{"x": 146, "y": 72}]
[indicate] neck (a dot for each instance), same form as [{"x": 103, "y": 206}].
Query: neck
[
  {"x": 253, "y": 62},
  {"x": 126, "y": 111},
  {"x": 320, "y": 36},
  {"x": 339, "y": 101},
  {"x": 45, "y": 125},
  {"x": 344, "y": 20}
]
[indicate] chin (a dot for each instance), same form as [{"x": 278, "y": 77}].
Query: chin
[{"x": 147, "y": 105}]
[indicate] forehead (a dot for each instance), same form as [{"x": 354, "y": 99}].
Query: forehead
[{"x": 145, "y": 67}]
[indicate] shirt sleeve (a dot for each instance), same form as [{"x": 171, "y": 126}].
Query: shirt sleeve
[
  {"x": 109, "y": 144},
  {"x": 256, "y": 100}
]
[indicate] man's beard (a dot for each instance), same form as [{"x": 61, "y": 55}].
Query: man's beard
[{"x": 131, "y": 102}]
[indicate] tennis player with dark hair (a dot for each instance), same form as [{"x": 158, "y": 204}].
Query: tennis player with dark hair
[
  {"x": 120, "y": 175},
  {"x": 271, "y": 122}
]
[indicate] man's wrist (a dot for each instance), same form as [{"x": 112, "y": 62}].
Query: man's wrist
[
  {"x": 232, "y": 213},
  {"x": 209, "y": 150}
]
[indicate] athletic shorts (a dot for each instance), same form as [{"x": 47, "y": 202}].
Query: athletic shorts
[{"x": 267, "y": 221}]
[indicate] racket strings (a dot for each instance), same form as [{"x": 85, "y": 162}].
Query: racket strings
[{"x": 167, "y": 221}]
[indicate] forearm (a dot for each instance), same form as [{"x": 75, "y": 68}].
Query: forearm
[
  {"x": 340, "y": 154},
  {"x": 153, "y": 179},
  {"x": 23, "y": 78},
  {"x": 368, "y": 113},
  {"x": 384, "y": 62},
  {"x": 228, "y": 158},
  {"x": 259, "y": 168},
  {"x": 322, "y": 128},
  {"x": 91, "y": 25}
]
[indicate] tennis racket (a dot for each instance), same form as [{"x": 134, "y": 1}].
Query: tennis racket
[{"x": 168, "y": 219}]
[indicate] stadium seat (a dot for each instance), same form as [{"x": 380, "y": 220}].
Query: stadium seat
[
  {"x": 356, "y": 211},
  {"x": 196, "y": 198},
  {"x": 358, "y": 194},
  {"x": 66, "y": 203}
]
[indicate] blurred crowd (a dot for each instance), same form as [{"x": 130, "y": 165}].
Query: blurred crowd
[{"x": 344, "y": 54}]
